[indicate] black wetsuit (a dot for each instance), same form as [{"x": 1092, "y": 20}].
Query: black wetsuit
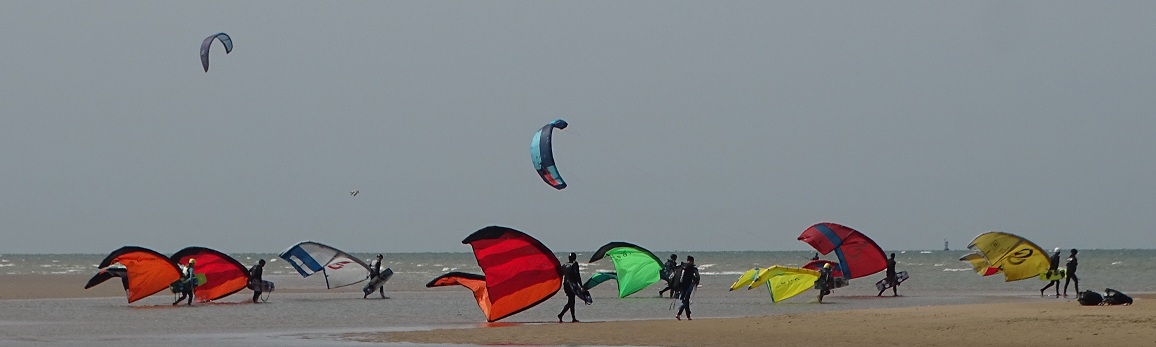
[
  {"x": 374, "y": 273},
  {"x": 188, "y": 281},
  {"x": 571, "y": 281},
  {"x": 1072, "y": 262},
  {"x": 824, "y": 282},
  {"x": 891, "y": 278},
  {"x": 689, "y": 281},
  {"x": 1055, "y": 265},
  {"x": 669, "y": 267},
  {"x": 255, "y": 278}
]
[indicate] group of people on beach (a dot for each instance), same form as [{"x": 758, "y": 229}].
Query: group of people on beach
[
  {"x": 187, "y": 283},
  {"x": 681, "y": 279}
]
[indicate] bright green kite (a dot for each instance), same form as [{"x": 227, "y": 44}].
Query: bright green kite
[{"x": 635, "y": 267}]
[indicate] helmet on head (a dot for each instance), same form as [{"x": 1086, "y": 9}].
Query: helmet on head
[
  {"x": 192, "y": 261},
  {"x": 826, "y": 265},
  {"x": 1056, "y": 250}
]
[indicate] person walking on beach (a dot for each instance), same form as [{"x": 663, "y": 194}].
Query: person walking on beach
[
  {"x": 374, "y": 273},
  {"x": 255, "y": 281},
  {"x": 1052, "y": 268},
  {"x": 669, "y": 267},
  {"x": 188, "y": 281},
  {"x": 572, "y": 284},
  {"x": 1071, "y": 265},
  {"x": 891, "y": 278},
  {"x": 824, "y": 281},
  {"x": 689, "y": 280}
]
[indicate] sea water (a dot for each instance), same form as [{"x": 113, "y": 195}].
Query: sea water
[{"x": 303, "y": 312}]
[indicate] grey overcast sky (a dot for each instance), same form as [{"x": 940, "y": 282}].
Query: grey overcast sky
[{"x": 693, "y": 125}]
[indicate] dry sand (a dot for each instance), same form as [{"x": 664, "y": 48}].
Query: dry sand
[{"x": 1038, "y": 323}]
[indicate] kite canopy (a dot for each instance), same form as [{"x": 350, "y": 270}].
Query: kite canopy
[
  {"x": 980, "y": 264},
  {"x": 636, "y": 267},
  {"x": 225, "y": 40},
  {"x": 340, "y": 268},
  {"x": 858, "y": 255},
  {"x": 542, "y": 154},
  {"x": 1015, "y": 256},
  {"x": 520, "y": 272},
  {"x": 782, "y": 282},
  {"x": 146, "y": 271},
  {"x": 598, "y": 278},
  {"x": 223, "y": 274}
]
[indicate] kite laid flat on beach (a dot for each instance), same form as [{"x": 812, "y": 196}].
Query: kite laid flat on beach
[
  {"x": 635, "y": 267},
  {"x": 340, "y": 268},
  {"x": 143, "y": 271},
  {"x": 1014, "y": 256},
  {"x": 225, "y": 40},
  {"x": 858, "y": 255},
  {"x": 520, "y": 272},
  {"x": 783, "y": 282},
  {"x": 542, "y": 154},
  {"x": 223, "y": 275}
]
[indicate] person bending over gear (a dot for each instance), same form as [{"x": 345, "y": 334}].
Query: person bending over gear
[
  {"x": 572, "y": 284},
  {"x": 188, "y": 281},
  {"x": 891, "y": 277},
  {"x": 374, "y": 273},
  {"x": 824, "y": 281},
  {"x": 1071, "y": 265},
  {"x": 1052, "y": 268},
  {"x": 255, "y": 280},
  {"x": 689, "y": 281},
  {"x": 669, "y": 269}
]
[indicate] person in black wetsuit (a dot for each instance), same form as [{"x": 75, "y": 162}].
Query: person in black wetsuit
[
  {"x": 816, "y": 257},
  {"x": 891, "y": 277},
  {"x": 1071, "y": 265},
  {"x": 1052, "y": 268},
  {"x": 669, "y": 268},
  {"x": 374, "y": 273},
  {"x": 188, "y": 281},
  {"x": 824, "y": 281},
  {"x": 255, "y": 280},
  {"x": 572, "y": 284},
  {"x": 689, "y": 280}
]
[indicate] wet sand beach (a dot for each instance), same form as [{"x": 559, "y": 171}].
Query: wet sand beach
[{"x": 1057, "y": 323}]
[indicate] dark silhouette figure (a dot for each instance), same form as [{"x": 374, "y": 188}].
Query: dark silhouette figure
[
  {"x": 689, "y": 280},
  {"x": 572, "y": 284},
  {"x": 891, "y": 278},
  {"x": 1071, "y": 265},
  {"x": 255, "y": 279},
  {"x": 1055, "y": 265}
]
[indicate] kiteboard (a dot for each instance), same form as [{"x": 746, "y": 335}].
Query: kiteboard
[
  {"x": 836, "y": 282},
  {"x": 883, "y": 284},
  {"x": 179, "y": 286},
  {"x": 376, "y": 282},
  {"x": 1055, "y": 275},
  {"x": 265, "y": 286}
]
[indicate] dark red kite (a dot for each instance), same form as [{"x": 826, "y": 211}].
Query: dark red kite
[
  {"x": 223, "y": 274},
  {"x": 858, "y": 255},
  {"x": 520, "y": 272}
]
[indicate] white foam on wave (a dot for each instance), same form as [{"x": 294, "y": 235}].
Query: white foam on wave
[
  {"x": 703, "y": 266},
  {"x": 958, "y": 270},
  {"x": 9, "y": 264},
  {"x": 722, "y": 273}
]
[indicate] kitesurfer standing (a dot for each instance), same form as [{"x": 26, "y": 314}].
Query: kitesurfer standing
[
  {"x": 670, "y": 265},
  {"x": 1052, "y": 268},
  {"x": 1071, "y": 265},
  {"x": 374, "y": 273},
  {"x": 572, "y": 284},
  {"x": 824, "y": 281},
  {"x": 255, "y": 281},
  {"x": 891, "y": 277},
  {"x": 188, "y": 281},
  {"x": 689, "y": 280}
]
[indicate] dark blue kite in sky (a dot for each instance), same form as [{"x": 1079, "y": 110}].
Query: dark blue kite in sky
[
  {"x": 542, "y": 154},
  {"x": 225, "y": 40}
]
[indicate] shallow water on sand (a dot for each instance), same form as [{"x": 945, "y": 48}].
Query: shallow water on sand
[{"x": 303, "y": 313}]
